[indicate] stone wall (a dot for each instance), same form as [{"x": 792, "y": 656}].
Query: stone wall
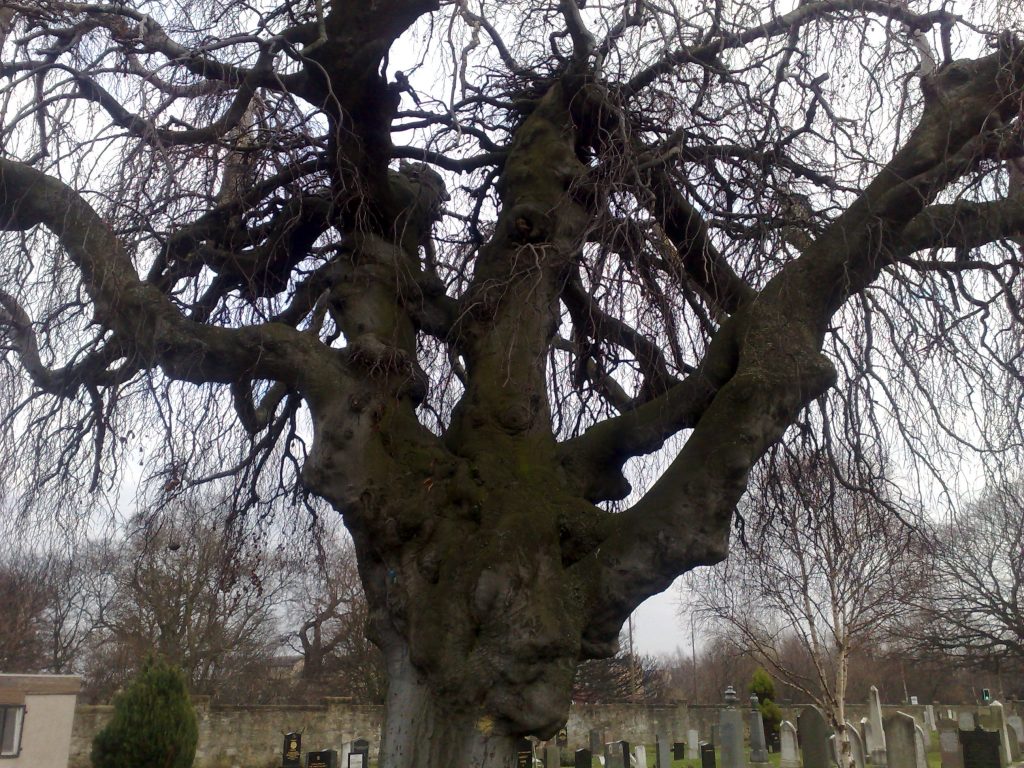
[
  {"x": 635, "y": 723},
  {"x": 250, "y": 737}
]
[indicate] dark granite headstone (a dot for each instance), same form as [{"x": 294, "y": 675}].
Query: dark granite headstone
[
  {"x": 358, "y": 754},
  {"x": 707, "y": 755},
  {"x": 679, "y": 750},
  {"x": 584, "y": 758},
  {"x": 524, "y": 753},
  {"x": 981, "y": 749},
  {"x": 616, "y": 754},
  {"x": 291, "y": 751},
  {"x": 814, "y": 732},
  {"x": 327, "y": 758}
]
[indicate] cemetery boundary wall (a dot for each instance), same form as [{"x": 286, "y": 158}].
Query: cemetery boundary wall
[{"x": 251, "y": 736}]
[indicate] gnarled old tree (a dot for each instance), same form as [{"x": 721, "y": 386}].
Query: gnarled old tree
[{"x": 451, "y": 266}]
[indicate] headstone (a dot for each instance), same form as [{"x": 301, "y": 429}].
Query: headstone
[
  {"x": 583, "y": 758},
  {"x": 876, "y": 745},
  {"x": 999, "y": 721},
  {"x": 663, "y": 751},
  {"x": 707, "y": 755},
  {"x": 327, "y": 758},
  {"x": 596, "y": 742},
  {"x": 951, "y": 753},
  {"x": 553, "y": 756},
  {"x": 1018, "y": 726},
  {"x": 856, "y": 747},
  {"x": 758, "y": 748},
  {"x": 678, "y": 750},
  {"x": 913, "y": 701},
  {"x": 865, "y": 735},
  {"x": 966, "y": 721},
  {"x": 1012, "y": 732},
  {"x": 730, "y": 731},
  {"x": 640, "y": 756},
  {"x": 929, "y": 717},
  {"x": 980, "y": 748},
  {"x": 291, "y": 750},
  {"x": 814, "y": 733},
  {"x": 900, "y": 745},
  {"x": 524, "y": 753},
  {"x": 693, "y": 744},
  {"x": 920, "y": 746},
  {"x": 616, "y": 754},
  {"x": 788, "y": 746},
  {"x": 359, "y": 754}
]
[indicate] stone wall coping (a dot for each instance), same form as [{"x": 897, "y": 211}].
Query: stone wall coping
[{"x": 41, "y": 685}]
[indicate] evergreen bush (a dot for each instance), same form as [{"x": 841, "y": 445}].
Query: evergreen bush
[{"x": 154, "y": 724}]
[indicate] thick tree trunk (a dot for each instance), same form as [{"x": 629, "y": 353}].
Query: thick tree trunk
[{"x": 422, "y": 732}]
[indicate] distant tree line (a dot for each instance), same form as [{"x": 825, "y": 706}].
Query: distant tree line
[
  {"x": 834, "y": 586},
  {"x": 248, "y": 616}
]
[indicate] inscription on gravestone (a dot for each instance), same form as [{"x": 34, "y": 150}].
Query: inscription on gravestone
[
  {"x": 359, "y": 754},
  {"x": 291, "y": 751},
  {"x": 981, "y": 749},
  {"x": 327, "y": 758},
  {"x": 524, "y": 753}
]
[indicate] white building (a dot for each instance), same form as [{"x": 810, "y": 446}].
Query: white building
[{"x": 36, "y": 715}]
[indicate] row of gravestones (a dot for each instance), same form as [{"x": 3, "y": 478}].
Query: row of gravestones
[
  {"x": 617, "y": 754},
  {"x": 975, "y": 741},
  {"x": 356, "y": 754},
  {"x": 981, "y": 739}
]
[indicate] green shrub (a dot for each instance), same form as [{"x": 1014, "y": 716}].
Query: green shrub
[
  {"x": 763, "y": 686},
  {"x": 154, "y": 724}
]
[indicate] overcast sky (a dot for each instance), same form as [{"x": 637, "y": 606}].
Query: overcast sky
[{"x": 657, "y": 630}]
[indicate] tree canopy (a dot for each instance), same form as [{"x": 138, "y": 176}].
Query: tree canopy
[{"x": 468, "y": 272}]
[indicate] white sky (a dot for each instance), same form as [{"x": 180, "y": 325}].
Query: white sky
[{"x": 657, "y": 629}]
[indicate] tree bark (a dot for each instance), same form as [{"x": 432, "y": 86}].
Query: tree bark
[{"x": 421, "y": 732}]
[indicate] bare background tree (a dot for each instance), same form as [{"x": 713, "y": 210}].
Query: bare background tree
[
  {"x": 327, "y": 616},
  {"x": 828, "y": 567},
  {"x": 461, "y": 271},
  {"x": 973, "y": 611}
]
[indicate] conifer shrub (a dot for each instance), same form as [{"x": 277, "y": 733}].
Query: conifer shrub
[
  {"x": 154, "y": 724},
  {"x": 763, "y": 686}
]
